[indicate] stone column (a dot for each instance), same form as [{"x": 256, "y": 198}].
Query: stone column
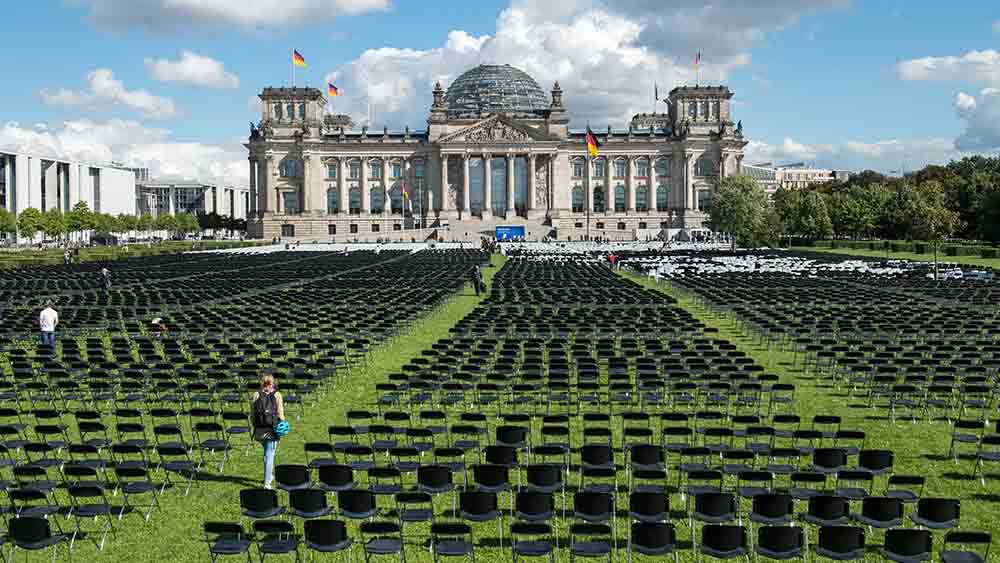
[
  {"x": 170, "y": 200},
  {"x": 345, "y": 198},
  {"x": 366, "y": 198},
  {"x": 690, "y": 202},
  {"x": 609, "y": 185},
  {"x": 588, "y": 177},
  {"x": 487, "y": 186},
  {"x": 530, "y": 203},
  {"x": 510, "y": 185},
  {"x": 407, "y": 186},
  {"x": 466, "y": 203},
  {"x": 253, "y": 188},
  {"x": 386, "y": 201},
  {"x": 445, "y": 183},
  {"x": 630, "y": 186},
  {"x": 304, "y": 188}
]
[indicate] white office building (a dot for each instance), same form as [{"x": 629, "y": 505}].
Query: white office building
[
  {"x": 52, "y": 183},
  {"x": 159, "y": 197}
]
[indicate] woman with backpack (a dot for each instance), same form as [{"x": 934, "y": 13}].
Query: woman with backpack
[{"x": 267, "y": 410}]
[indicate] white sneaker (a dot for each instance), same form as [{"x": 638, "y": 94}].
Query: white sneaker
[{"x": 267, "y": 486}]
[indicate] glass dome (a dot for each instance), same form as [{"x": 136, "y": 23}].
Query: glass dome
[{"x": 495, "y": 89}]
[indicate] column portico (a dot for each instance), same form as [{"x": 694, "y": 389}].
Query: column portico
[
  {"x": 466, "y": 203},
  {"x": 630, "y": 186},
  {"x": 253, "y": 187},
  {"x": 510, "y": 185},
  {"x": 366, "y": 198},
  {"x": 488, "y": 186},
  {"x": 529, "y": 207}
]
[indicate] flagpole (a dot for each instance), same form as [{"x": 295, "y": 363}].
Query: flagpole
[{"x": 293, "y": 68}]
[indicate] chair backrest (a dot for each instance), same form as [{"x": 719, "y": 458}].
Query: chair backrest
[
  {"x": 724, "y": 537},
  {"x": 908, "y": 542},
  {"x": 291, "y": 474},
  {"x": 715, "y": 504},
  {"x": 325, "y": 532},
  {"x": 335, "y": 475},
  {"x": 842, "y": 539},
  {"x": 478, "y": 502},
  {"x": 772, "y": 505},
  {"x": 307, "y": 500},
  {"x": 649, "y": 503},
  {"x": 882, "y": 508},
  {"x": 828, "y": 507},
  {"x": 939, "y": 509},
  {"x": 654, "y": 535},
  {"x": 29, "y": 530},
  {"x": 593, "y": 504},
  {"x": 356, "y": 500},
  {"x": 258, "y": 500},
  {"x": 782, "y": 539}
]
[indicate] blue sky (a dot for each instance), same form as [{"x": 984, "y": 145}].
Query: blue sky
[{"x": 170, "y": 84}]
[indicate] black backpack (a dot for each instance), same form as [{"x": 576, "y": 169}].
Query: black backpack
[{"x": 265, "y": 411}]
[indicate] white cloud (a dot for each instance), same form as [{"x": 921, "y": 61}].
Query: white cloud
[
  {"x": 982, "y": 120},
  {"x": 134, "y": 144},
  {"x": 184, "y": 15},
  {"x": 194, "y": 69},
  {"x": 605, "y": 74},
  {"x": 884, "y": 155},
  {"x": 974, "y": 67},
  {"x": 106, "y": 92}
]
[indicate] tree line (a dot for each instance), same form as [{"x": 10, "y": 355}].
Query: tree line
[
  {"x": 957, "y": 200},
  {"x": 55, "y": 224}
]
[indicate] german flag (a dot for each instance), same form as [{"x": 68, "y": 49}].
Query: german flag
[
  {"x": 332, "y": 90},
  {"x": 297, "y": 59},
  {"x": 592, "y": 144}
]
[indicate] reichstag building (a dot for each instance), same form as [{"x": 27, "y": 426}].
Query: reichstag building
[{"x": 496, "y": 150}]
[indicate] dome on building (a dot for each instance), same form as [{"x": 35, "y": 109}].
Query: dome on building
[{"x": 495, "y": 89}]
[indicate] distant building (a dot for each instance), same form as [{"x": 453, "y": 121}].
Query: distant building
[
  {"x": 160, "y": 197},
  {"x": 799, "y": 175},
  {"x": 53, "y": 183},
  {"x": 765, "y": 177}
]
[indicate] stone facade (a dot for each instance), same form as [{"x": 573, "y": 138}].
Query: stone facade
[{"x": 468, "y": 171}]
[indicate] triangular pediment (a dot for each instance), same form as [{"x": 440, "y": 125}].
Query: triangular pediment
[{"x": 495, "y": 129}]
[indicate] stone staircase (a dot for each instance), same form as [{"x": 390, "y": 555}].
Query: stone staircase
[{"x": 474, "y": 228}]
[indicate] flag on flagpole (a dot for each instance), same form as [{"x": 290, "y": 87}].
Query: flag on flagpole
[
  {"x": 332, "y": 90},
  {"x": 697, "y": 59},
  {"x": 592, "y": 143},
  {"x": 297, "y": 59}
]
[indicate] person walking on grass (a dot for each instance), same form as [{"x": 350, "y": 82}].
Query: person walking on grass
[
  {"x": 267, "y": 410},
  {"x": 47, "y": 321},
  {"x": 477, "y": 279}
]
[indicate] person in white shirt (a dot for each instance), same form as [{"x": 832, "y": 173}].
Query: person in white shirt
[{"x": 47, "y": 321}]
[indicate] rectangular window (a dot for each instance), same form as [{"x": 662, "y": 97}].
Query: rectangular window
[
  {"x": 95, "y": 181},
  {"x": 642, "y": 224},
  {"x": 355, "y": 170},
  {"x": 418, "y": 170},
  {"x": 704, "y": 200},
  {"x": 621, "y": 168},
  {"x": 3, "y": 181},
  {"x": 331, "y": 229},
  {"x": 375, "y": 227},
  {"x": 397, "y": 170},
  {"x": 621, "y": 226},
  {"x": 599, "y": 169},
  {"x": 290, "y": 110},
  {"x": 397, "y": 227},
  {"x": 642, "y": 168},
  {"x": 354, "y": 228},
  {"x": 578, "y": 168},
  {"x": 302, "y": 111},
  {"x": 599, "y": 225},
  {"x": 662, "y": 167},
  {"x": 577, "y": 225},
  {"x": 332, "y": 171},
  {"x": 290, "y": 202},
  {"x": 375, "y": 170}
]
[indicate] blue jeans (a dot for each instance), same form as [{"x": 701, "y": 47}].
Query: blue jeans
[
  {"x": 270, "y": 446},
  {"x": 49, "y": 338}
]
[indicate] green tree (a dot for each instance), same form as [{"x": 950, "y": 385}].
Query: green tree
[
  {"x": 80, "y": 218},
  {"x": 8, "y": 222},
  {"x": 741, "y": 208},
  {"x": 30, "y": 222},
  {"x": 145, "y": 222},
  {"x": 166, "y": 222},
  {"x": 989, "y": 217},
  {"x": 128, "y": 222},
  {"x": 54, "y": 223},
  {"x": 932, "y": 220},
  {"x": 813, "y": 218},
  {"x": 187, "y": 223}
]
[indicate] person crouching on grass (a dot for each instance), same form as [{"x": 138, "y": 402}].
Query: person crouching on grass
[{"x": 267, "y": 409}]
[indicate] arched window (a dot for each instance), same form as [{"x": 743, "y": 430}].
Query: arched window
[
  {"x": 578, "y": 199},
  {"x": 332, "y": 200},
  {"x": 377, "y": 199},
  {"x": 599, "y": 199},
  {"x": 662, "y": 197},
  {"x": 642, "y": 198},
  {"x": 354, "y": 200},
  {"x": 705, "y": 166},
  {"x": 620, "y": 197},
  {"x": 290, "y": 168}
]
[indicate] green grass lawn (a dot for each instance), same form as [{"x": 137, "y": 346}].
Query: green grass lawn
[
  {"x": 929, "y": 257},
  {"x": 920, "y": 448},
  {"x": 174, "y": 533}
]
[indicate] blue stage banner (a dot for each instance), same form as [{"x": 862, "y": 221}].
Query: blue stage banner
[{"x": 509, "y": 233}]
